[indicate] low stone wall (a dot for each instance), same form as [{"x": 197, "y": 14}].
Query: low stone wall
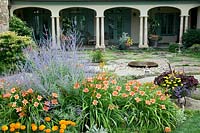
[{"x": 4, "y": 15}]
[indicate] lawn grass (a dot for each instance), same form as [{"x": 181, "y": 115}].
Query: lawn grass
[{"x": 191, "y": 125}]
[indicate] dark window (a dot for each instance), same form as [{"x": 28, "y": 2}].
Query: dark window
[{"x": 168, "y": 23}]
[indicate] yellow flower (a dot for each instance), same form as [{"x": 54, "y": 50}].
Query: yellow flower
[
  {"x": 47, "y": 119},
  {"x": 23, "y": 127},
  {"x": 42, "y": 127},
  {"x": 4, "y": 128},
  {"x": 48, "y": 130},
  {"x": 63, "y": 126},
  {"x": 54, "y": 128},
  {"x": 61, "y": 131},
  {"x": 17, "y": 125},
  {"x": 12, "y": 129},
  {"x": 73, "y": 124},
  {"x": 12, "y": 125},
  {"x": 34, "y": 127}
]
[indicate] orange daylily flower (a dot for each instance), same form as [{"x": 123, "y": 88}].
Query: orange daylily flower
[
  {"x": 137, "y": 99},
  {"x": 128, "y": 88},
  {"x": 95, "y": 102},
  {"x": 132, "y": 93},
  {"x": 124, "y": 95},
  {"x": 86, "y": 90},
  {"x": 159, "y": 93},
  {"x": 7, "y": 95},
  {"x": 24, "y": 101},
  {"x": 118, "y": 88},
  {"x": 13, "y": 90},
  {"x": 142, "y": 93},
  {"x": 39, "y": 98},
  {"x": 115, "y": 93},
  {"x": 152, "y": 101},
  {"x": 45, "y": 108},
  {"x": 136, "y": 88},
  {"x": 30, "y": 90},
  {"x": 98, "y": 86},
  {"x": 55, "y": 95},
  {"x": 76, "y": 85},
  {"x": 162, "y": 106},
  {"x": 36, "y": 104},
  {"x": 98, "y": 95},
  {"x": 16, "y": 96},
  {"x": 54, "y": 101},
  {"x": 148, "y": 102},
  {"x": 167, "y": 130}
]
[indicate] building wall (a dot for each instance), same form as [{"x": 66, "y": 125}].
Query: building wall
[
  {"x": 4, "y": 15},
  {"x": 198, "y": 18}
]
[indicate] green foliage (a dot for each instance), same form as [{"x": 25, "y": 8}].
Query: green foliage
[
  {"x": 19, "y": 26},
  {"x": 12, "y": 47},
  {"x": 191, "y": 37},
  {"x": 195, "y": 48},
  {"x": 173, "y": 47},
  {"x": 97, "y": 56},
  {"x": 125, "y": 41}
]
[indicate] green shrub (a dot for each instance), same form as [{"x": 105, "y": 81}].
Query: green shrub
[
  {"x": 191, "y": 37},
  {"x": 173, "y": 47},
  {"x": 195, "y": 48},
  {"x": 19, "y": 26},
  {"x": 11, "y": 47},
  {"x": 97, "y": 56}
]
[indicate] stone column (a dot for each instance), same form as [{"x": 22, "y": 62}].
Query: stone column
[
  {"x": 58, "y": 30},
  {"x": 141, "y": 32},
  {"x": 181, "y": 30},
  {"x": 186, "y": 23},
  {"x": 53, "y": 32},
  {"x": 102, "y": 33},
  {"x": 97, "y": 33},
  {"x": 145, "y": 32},
  {"x": 4, "y": 15}
]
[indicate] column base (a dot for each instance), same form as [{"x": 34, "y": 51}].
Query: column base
[
  {"x": 143, "y": 46},
  {"x": 97, "y": 46},
  {"x": 103, "y": 46}
]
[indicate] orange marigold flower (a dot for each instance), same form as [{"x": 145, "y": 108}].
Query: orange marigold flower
[
  {"x": 86, "y": 90},
  {"x": 137, "y": 99},
  {"x": 73, "y": 124},
  {"x": 4, "y": 128},
  {"x": 167, "y": 130},
  {"x": 118, "y": 88},
  {"x": 124, "y": 95},
  {"x": 136, "y": 88},
  {"x": 115, "y": 93},
  {"x": 45, "y": 108},
  {"x": 12, "y": 125},
  {"x": 13, "y": 90},
  {"x": 61, "y": 131},
  {"x": 7, "y": 95},
  {"x": 132, "y": 93},
  {"x": 48, "y": 119},
  {"x": 95, "y": 102},
  {"x": 47, "y": 130},
  {"x": 162, "y": 106},
  {"x": 36, "y": 104},
  {"x": 17, "y": 125},
  {"x": 30, "y": 90},
  {"x": 34, "y": 127},
  {"x": 76, "y": 85},
  {"x": 12, "y": 129},
  {"x": 98, "y": 86},
  {"x": 42, "y": 127},
  {"x": 24, "y": 101},
  {"x": 142, "y": 93},
  {"x": 54, "y": 101},
  {"x": 148, "y": 102},
  {"x": 159, "y": 93},
  {"x": 55, "y": 95},
  {"x": 22, "y": 127},
  {"x": 39, "y": 98},
  {"x": 98, "y": 95},
  {"x": 62, "y": 122},
  {"x": 63, "y": 126},
  {"x": 16, "y": 96},
  {"x": 153, "y": 100},
  {"x": 54, "y": 128}
]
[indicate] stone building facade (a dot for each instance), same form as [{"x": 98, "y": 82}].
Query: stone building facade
[{"x": 4, "y": 15}]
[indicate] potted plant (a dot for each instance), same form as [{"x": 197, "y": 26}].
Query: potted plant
[
  {"x": 153, "y": 37},
  {"x": 125, "y": 41}
]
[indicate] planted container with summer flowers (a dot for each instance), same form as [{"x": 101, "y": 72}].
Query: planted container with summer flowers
[{"x": 125, "y": 41}]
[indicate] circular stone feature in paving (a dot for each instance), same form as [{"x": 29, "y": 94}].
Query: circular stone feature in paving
[{"x": 142, "y": 64}]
